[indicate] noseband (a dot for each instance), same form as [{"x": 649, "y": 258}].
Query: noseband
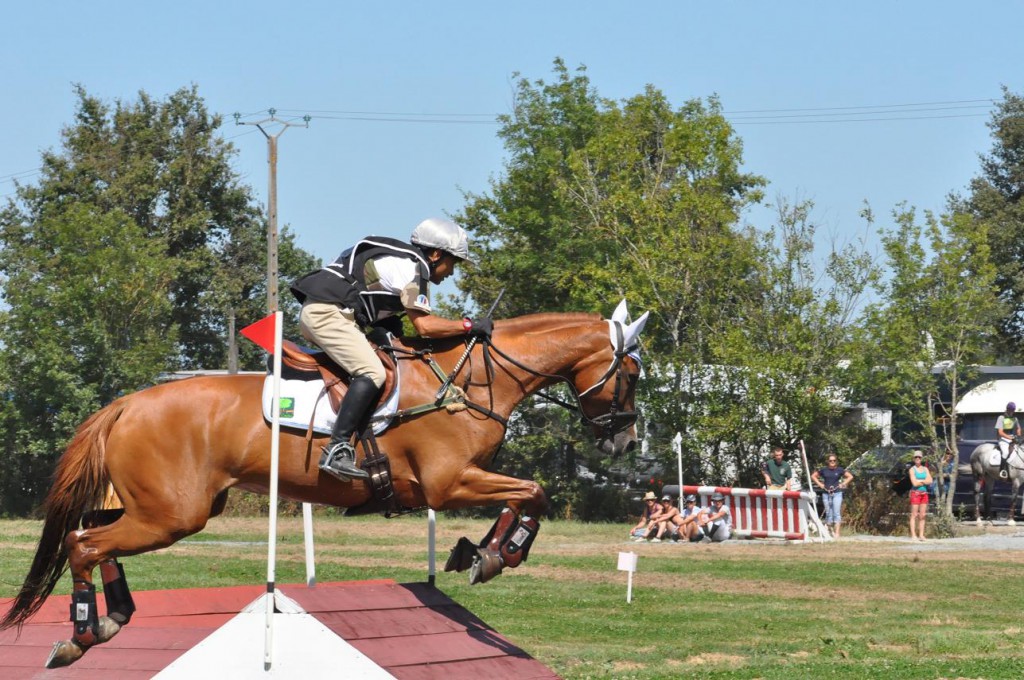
[{"x": 611, "y": 423}]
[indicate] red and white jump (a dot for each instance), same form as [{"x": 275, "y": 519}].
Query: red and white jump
[{"x": 760, "y": 513}]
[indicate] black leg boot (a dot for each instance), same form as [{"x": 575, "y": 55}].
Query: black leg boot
[{"x": 339, "y": 456}]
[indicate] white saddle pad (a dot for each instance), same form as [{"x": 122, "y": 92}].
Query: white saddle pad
[
  {"x": 299, "y": 400},
  {"x": 995, "y": 458}
]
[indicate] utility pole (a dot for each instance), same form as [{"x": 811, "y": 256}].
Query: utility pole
[{"x": 272, "y": 305}]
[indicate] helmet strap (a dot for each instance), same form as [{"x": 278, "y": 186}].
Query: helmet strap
[{"x": 432, "y": 262}]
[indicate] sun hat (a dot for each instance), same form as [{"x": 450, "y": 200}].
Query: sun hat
[
  {"x": 666, "y": 497},
  {"x": 717, "y": 496},
  {"x": 649, "y": 496},
  {"x": 691, "y": 498}
]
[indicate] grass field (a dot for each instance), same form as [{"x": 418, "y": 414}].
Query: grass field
[{"x": 744, "y": 609}]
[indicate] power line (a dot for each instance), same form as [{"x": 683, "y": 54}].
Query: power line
[
  {"x": 395, "y": 113},
  {"x": 410, "y": 120},
  {"x": 854, "y": 120},
  {"x": 873, "y": 106},
  {"x": 17, "y": 175},
  {"x": 873, "y": 112},
  {"x": 406, "y": 117}
]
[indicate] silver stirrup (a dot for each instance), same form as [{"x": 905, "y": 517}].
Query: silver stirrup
[{"x": 339, "y": 461}]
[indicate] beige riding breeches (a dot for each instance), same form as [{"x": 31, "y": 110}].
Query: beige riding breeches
[{"x": 336, "y": 332}]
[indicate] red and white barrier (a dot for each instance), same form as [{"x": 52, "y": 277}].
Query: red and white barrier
[{"x": 759, "y": 513}]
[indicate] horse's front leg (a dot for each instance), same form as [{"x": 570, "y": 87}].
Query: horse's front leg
[
  {"x": 508, "y": 542},
  {"x": 1013, "y": 503}
]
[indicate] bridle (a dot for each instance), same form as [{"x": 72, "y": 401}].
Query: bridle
[{"x": 611, "y": 423}]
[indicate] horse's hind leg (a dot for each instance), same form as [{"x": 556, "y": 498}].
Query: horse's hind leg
[
  {"x": 99, "y": 545},
  {"x": 116, "y": 594},
  {"x": 978, "y": 482}
]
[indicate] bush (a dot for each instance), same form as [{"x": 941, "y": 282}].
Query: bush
[
  {"x": 248, "y": 504},
  {"x": 874, "y": 508}
]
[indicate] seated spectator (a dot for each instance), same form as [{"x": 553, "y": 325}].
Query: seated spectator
[
  {"x": 664, "y": 527},
  {"x": 638, "y": 532},
  {"x": 685, "y": 521},
  {"x": 714, "y": 523}
]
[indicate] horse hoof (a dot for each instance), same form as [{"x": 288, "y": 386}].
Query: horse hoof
[
  {"x": 1011, "y": 523},
  {"x": 462, "y": 556},
  {"x": 108, "y": 628},
  {"x": 486, "y": 565},
  {"x": 64, "y": 653}
]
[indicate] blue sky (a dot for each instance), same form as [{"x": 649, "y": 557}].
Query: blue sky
[{"x": 919, "y": 69}]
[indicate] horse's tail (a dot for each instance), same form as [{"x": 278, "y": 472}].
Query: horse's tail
[{"x": 79, "y": 484}]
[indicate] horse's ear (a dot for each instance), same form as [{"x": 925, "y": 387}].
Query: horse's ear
[
  {"x": 621, "y": 313},
  {"x": 631, "y": 332}
]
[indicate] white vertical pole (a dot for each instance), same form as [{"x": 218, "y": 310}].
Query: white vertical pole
[
  {"x": 307, "y": 533},
  {"x": 275, "y": 455},
  {"x": 823, "y": 531},
  {"x": 431, "y": 546},
  {"x": 807, "y": 468},
  {"x": 677, "y": 444},
  {"x": 629, "y": 587}
]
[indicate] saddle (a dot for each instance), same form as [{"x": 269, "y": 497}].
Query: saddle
[
  {"x": 305, "y": 364},
  {"x": 299, "y": 363}
]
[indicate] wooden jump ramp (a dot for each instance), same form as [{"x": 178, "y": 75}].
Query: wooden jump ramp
[{"x": 355, "y": 629}]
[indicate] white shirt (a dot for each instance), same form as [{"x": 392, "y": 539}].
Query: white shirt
[{"x": 400, "y": 276}]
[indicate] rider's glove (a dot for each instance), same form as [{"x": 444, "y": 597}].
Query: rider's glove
[{"x": 478, "y": 327}]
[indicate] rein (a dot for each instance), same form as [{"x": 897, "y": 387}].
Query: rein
[
  {"x": 453, "y": 399},
  {"x": 611, "y": 423}
]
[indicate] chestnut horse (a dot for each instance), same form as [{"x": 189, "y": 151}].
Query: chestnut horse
[{"x": 171, "y": 452}]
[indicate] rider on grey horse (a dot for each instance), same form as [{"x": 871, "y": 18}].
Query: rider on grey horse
[{"x": 1007, "y": 432}]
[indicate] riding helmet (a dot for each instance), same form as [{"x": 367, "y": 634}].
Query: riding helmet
[{"x": 442, "y": 234}]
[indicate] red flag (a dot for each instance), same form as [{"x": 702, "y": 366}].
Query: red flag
[{"x": 262, "y": 332}]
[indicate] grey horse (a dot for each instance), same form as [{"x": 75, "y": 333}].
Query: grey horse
[{"x": 985, "y": 464}]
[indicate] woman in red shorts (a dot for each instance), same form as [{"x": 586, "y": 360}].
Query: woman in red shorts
[{"x": 920, "y": 480}]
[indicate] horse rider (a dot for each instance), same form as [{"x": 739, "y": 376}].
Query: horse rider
[
  {"x": 370, "y": 285},
  {"x": 1007, "y": 432}
]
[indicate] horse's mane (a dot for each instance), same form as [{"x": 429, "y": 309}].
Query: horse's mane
[
  {"x": 520, "y": 324},
  {"x": 551, "y": 319}
]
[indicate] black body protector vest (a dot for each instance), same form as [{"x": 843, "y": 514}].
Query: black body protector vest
[{"x": 343, "y": 282}]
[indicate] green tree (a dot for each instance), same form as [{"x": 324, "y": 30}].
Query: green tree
[
  {"x": 162, "y": 163},
  {"x": 784, "y": 344},
  {"x": 936, "y": 319},
  {"x": 602, "y": 200},
  {"x": 996, "y": 197},
  {"x": 127, "y": 259},
  {"x": 87, "y": 319},
  {"x": 639, "y": 199}
]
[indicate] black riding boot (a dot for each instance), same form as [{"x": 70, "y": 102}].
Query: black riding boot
[{"x": 339, "y": 456}]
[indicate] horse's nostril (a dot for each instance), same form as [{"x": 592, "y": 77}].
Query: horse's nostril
[{"x": 630, "y": 445}]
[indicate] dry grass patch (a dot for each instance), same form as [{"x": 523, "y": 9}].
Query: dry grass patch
[{"x": 731, "y": 661}]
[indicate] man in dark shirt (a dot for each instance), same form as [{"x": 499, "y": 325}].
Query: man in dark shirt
[{"x": 777, "y": 473}]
